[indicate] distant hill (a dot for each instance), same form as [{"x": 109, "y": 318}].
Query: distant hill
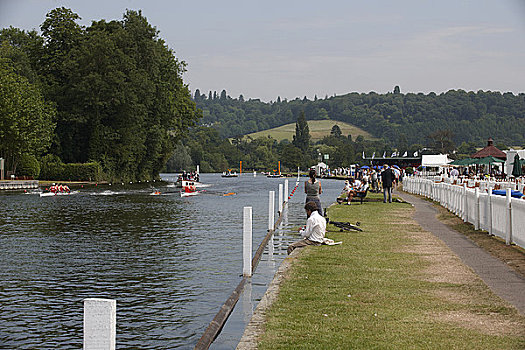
[
  {"x": 397, "y": 118},
  {"x": 318, "y": 130}
]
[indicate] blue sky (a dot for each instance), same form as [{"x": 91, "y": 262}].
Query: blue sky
[{"x": 265, "y": 49}]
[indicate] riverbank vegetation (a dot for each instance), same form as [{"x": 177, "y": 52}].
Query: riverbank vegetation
[
  {"x": 393, "y": 286},
  {"x": 111, "y": 94}
]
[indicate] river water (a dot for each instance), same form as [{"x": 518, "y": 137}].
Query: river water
[{"x": 170, "y": 262}]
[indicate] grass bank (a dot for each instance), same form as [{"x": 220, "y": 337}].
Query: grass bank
[
  {"x": 393, "y": 286},
  {"x": 318, "y": 130}
]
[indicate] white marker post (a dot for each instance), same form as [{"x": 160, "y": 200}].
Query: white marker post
[
  {"x": 280, "y": 204},
  {"x": 286, "y": 194},
  {"x": 271, "y": 220},
  {"x": 271, "y": 209},
  {"x": 100, "y": 324},
  {"x": 247, "y": 242}
]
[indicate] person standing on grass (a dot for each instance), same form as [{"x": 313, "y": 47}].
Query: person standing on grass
[
  {"x": 387, "y": 177},
  {"x": 314, "y": 231},
  {"x": 313, "y": 189}
]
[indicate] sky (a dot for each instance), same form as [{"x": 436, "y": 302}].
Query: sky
[{"x": 297, "y": 48}]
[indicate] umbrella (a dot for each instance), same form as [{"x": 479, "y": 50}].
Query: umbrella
[
  {"x": 488, "y": 160},
  {"x": 395, "y": 166},
  {"x": 465, "y": 161},
  {"x": 365, "y": 167},
  {"x": 516, "y": 167}
]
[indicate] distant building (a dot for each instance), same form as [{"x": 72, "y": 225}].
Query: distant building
[{"x": 490, "y": 150}]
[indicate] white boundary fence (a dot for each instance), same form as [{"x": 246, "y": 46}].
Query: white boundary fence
[{"x": 474, "y": 202}]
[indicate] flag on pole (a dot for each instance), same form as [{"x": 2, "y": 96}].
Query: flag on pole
[
  {"x": 384, "y": 154},
  {"x": 363, "y": 154},
  {"x": 393, "y": 155},
  {"x": 415, "y": 154},
  {"x": 373, "y": 155},
  {"x": 405, "y": 154}
]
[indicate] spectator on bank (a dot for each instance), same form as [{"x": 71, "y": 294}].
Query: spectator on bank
[
  {"x": 314, "y": 231},
  {"x": 373, "y": 177},
  {"x": 387, "y": 177},
  {"x": 313, "y": 189},
  {"x": 358, "y": 186}
]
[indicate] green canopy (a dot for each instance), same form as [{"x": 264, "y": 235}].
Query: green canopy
[
  {"x": 516, "y": 167},
  {"x": 488, "y": 160}
]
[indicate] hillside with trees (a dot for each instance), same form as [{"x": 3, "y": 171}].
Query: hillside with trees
[{"x": 396, "y": 117}]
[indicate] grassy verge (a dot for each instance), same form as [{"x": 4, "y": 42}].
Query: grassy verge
[{"x": 393, "y": 286}]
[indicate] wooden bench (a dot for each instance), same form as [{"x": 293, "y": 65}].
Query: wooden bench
[{"x": 361, "y": 194}]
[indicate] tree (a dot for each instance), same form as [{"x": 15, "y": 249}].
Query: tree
[
  {"x": 441, "y": 141},
  {"x": 291, "y": 157},
  {"x": 301, "y": 138},
  {"x": 336, "y": 131},
  {"x": 26, "y": 120},
  {"x": 397, "y": 90}
]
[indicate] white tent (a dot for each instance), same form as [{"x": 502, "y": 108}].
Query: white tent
[
  {"x": 435, "y": 160},
  {"x": 318, "y": 168}
]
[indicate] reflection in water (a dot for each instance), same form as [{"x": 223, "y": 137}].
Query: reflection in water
[{"x": 170, "y": 262}]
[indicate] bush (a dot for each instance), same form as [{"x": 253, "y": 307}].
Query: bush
[
  {"x": 28, "y": 166},
  {"x": 409, "y": 170},
  {"x": 51, "y": 167},
  {"x": 54, "y": 169},
  {"x": 82, "y": 172}
]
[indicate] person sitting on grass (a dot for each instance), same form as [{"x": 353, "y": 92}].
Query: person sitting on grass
[{"x": 314, "y": 231}]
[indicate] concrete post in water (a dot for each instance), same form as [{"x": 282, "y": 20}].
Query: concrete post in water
[
  {"x": 286, "y": 194},
  {"x": 271, "y": 219},
  {"x": 198, "y": 169},
  {"x": 476, "y": 219},
  {"x": 508, "y": 228},
  {"x": 271, "y": 209},
  {"x": 247, "y": 242},
  {"x": 1, "y": 168},
  {"x": 100, "y": 324},
  {"x": 280, "y": 204}
]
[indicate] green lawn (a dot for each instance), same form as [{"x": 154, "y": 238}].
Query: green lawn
[
  {"x": 318, "y": 130},
  {"x": 392, "y": 286}
]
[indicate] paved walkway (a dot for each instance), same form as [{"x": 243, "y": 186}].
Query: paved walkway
[{"x": 500, "y": 278}]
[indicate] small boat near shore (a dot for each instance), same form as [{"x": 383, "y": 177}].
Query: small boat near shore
[
  {"x": 275, "y": 176},
  {"x": 229, "y": 173}
]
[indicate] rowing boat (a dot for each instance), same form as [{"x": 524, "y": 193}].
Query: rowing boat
[{"x": 52, "y": 194}]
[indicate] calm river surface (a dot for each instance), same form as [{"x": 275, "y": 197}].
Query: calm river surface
[{"x": 170, "y": 262}]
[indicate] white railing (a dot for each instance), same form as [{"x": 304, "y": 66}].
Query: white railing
[{"x": 473, "y": 201}]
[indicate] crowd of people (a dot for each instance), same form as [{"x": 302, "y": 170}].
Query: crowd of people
[
  {"x": 380, "y": 179},
  {"x": 189, "y": 176}
]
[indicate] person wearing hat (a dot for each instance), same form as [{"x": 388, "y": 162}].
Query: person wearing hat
[{"x": 387, "y": 177}]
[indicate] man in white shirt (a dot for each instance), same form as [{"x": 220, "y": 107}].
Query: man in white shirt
[{"x": 314, "y": 231}]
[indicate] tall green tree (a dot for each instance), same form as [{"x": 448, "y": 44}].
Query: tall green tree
[
  {"x": 336, "y": 131},
  {"x": 301, "y": 138},
  {"x": 124, "y": 102}
]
